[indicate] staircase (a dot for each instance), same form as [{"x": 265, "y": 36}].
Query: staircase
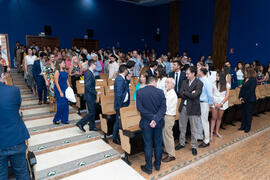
[{"x": 63, "y": 151}]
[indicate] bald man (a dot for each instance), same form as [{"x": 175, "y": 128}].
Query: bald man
[{"x": 167, "y": 132}]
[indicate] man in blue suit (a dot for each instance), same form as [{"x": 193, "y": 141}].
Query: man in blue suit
[
  {"x": 151, "y": 103},
  {"x": 13, "y": 133},
  {"x": 178, "y": 75},
  {"x": 90, "y": 96},
  {"x": 38, "y": 76},
  {"x": 121, "y": 98}
]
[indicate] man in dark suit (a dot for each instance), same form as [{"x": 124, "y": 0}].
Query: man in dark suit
[
  {"x": 13, "y": 133},
  {"x": 38, "y": 76},
  {"x": 151, "y": 70},
  {"x": 190, "y": 108},
  {"x": 151, "y": 103},
  {"x": 90, "y": 96},
  {"x": 247, "y": 96},
  {"x": 121, "y": 98},
  {"x": 178, "y": 75}
]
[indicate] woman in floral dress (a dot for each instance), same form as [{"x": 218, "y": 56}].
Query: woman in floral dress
[{"x": 48, "y": 73}]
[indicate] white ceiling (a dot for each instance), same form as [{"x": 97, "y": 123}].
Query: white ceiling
[{"x": 148, "y": 2}]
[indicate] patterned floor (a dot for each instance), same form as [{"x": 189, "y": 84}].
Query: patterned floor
[{"x": 63, "y": 151}]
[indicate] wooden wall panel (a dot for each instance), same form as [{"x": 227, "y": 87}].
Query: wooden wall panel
[
  {"x": 221, "y": 32},
  {"x": 174, "y": 21},
  {"x": 42, "y": 41},
  {"x": 85, "y": 43}
]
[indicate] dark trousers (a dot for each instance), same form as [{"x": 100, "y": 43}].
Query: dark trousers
[
  {"x": 150, "y": 137},
  {"x": 73, "y": 83},
  {"x": 62, "y": 110},
  {"x": 90, "y": 117},
  {"x": 116, "y": 126},
  {"x": 16, "y": 156},
  {"x": 41, "y": 87},
  {"x": 247, "y": 109}
]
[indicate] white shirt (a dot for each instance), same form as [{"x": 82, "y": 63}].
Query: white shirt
[
  {"x": 126, "y": 98},
  {"x": 239, "y": 75},
  {"x": 179, "y": 73},
  {"x": 171, "y": 102},
  {"x": 161, "y": 84},
  {"x": 30, "y": 60},
  {"x": 113, "y": 67}
]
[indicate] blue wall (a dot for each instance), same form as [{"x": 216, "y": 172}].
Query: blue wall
[
  {"x": 196, "y": 17},
  {"x": 112, "y": 21},
  {"x": 249, "y": 24}
]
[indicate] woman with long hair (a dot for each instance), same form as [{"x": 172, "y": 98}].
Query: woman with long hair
[
  {"x": 221, "y": 90},
  {"x": 162, "y": 76},
  {"x": 240, "y": 73},
  {"x": 141, "y": 83},
  {"x": 248, "y": 98},
  {"x": 61, "y": 84},
  {"x": 28, "y": 65},
  {"x": 48, "y": 74},
  {"x": 75, "y": 72}
]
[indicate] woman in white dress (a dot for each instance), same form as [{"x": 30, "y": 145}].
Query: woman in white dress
[
  {"x": 162, "y": 76},
  {"x": 221, "y": 90},
  {"x": 240, "y": 73},
  {"x": 113, "y": 67},
  {"x": 28, "y": 65}
]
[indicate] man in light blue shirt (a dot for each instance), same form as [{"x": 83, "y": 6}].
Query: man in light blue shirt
[
  {"x": 167, "y": 64},
  {"x": 99, "y": 67},
  {"x": 206, "y": 100},
  {"x": 138, "y": 63}
]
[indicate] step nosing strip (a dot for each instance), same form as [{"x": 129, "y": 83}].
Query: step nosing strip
[
  {"x": 26, "y": 117},
  {"x": 76, "y": 164},
  {"x": 51, "y": 126},
  {"x": 65, "y": 141}
]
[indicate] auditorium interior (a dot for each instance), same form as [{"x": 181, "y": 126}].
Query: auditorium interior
[{"x": 137, "y": 37}]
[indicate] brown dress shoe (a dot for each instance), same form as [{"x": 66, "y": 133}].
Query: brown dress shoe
[
  {"x": 39, "y": 102},
  {"x": 168, "y": 159}
]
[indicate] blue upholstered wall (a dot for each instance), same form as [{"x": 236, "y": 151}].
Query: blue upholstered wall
[
  {"x": 112, "y": 21},
  {"x": 196, "y": 17},
  {"x": 249, "y": 30}
]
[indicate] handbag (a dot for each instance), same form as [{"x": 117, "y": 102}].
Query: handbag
[{"x": 70, "y": 95}]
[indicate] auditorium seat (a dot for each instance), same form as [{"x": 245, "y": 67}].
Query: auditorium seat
[
  {"x": 267, "y": 94},
  {"x": 228, "y": 116},
  {"x": 101, "y": 82},
  {"x": 175, "y": 129},
  {"x": 107, "y": 117},
  {"x": 104, "y": 76},
  {"x": 111, "y": 82},
  {"x": 130, "y": 132}
]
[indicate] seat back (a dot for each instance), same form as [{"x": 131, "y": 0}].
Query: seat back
[
  {"x": 177, "y": 117},
  {"x": 80, "y": 86},
  {"x": 130, "y": 117},
  {"x": 104, "y": 76},
  {"x": 101, "y": 82},
  {"x": 107, "y": 104},
  {"x": 232, "y": 97},
  {"x": 111, "y": 82},
  {"x": 261, "y": 88}
]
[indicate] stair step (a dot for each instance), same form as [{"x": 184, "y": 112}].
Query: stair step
[
  {"x": 61, "y": 163},
  {"x": 30, "y": 114},
  {"x": 46, "y": 124},
  {"x": 116, "y": 170},
  {"x": 50, "y": 141}
]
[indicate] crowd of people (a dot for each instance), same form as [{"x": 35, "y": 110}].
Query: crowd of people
[{"x": 161, "y": 82}]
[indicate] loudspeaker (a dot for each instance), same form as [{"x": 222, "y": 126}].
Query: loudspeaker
[
  {"x": 195, "y": 38},
  {"x": 157, "y": 37},
  {"x": 47, "y": 30},
  {"x": 90, "y": 33}
]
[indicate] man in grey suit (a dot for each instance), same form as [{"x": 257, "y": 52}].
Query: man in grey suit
[{"x": 189, "y": 109}]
